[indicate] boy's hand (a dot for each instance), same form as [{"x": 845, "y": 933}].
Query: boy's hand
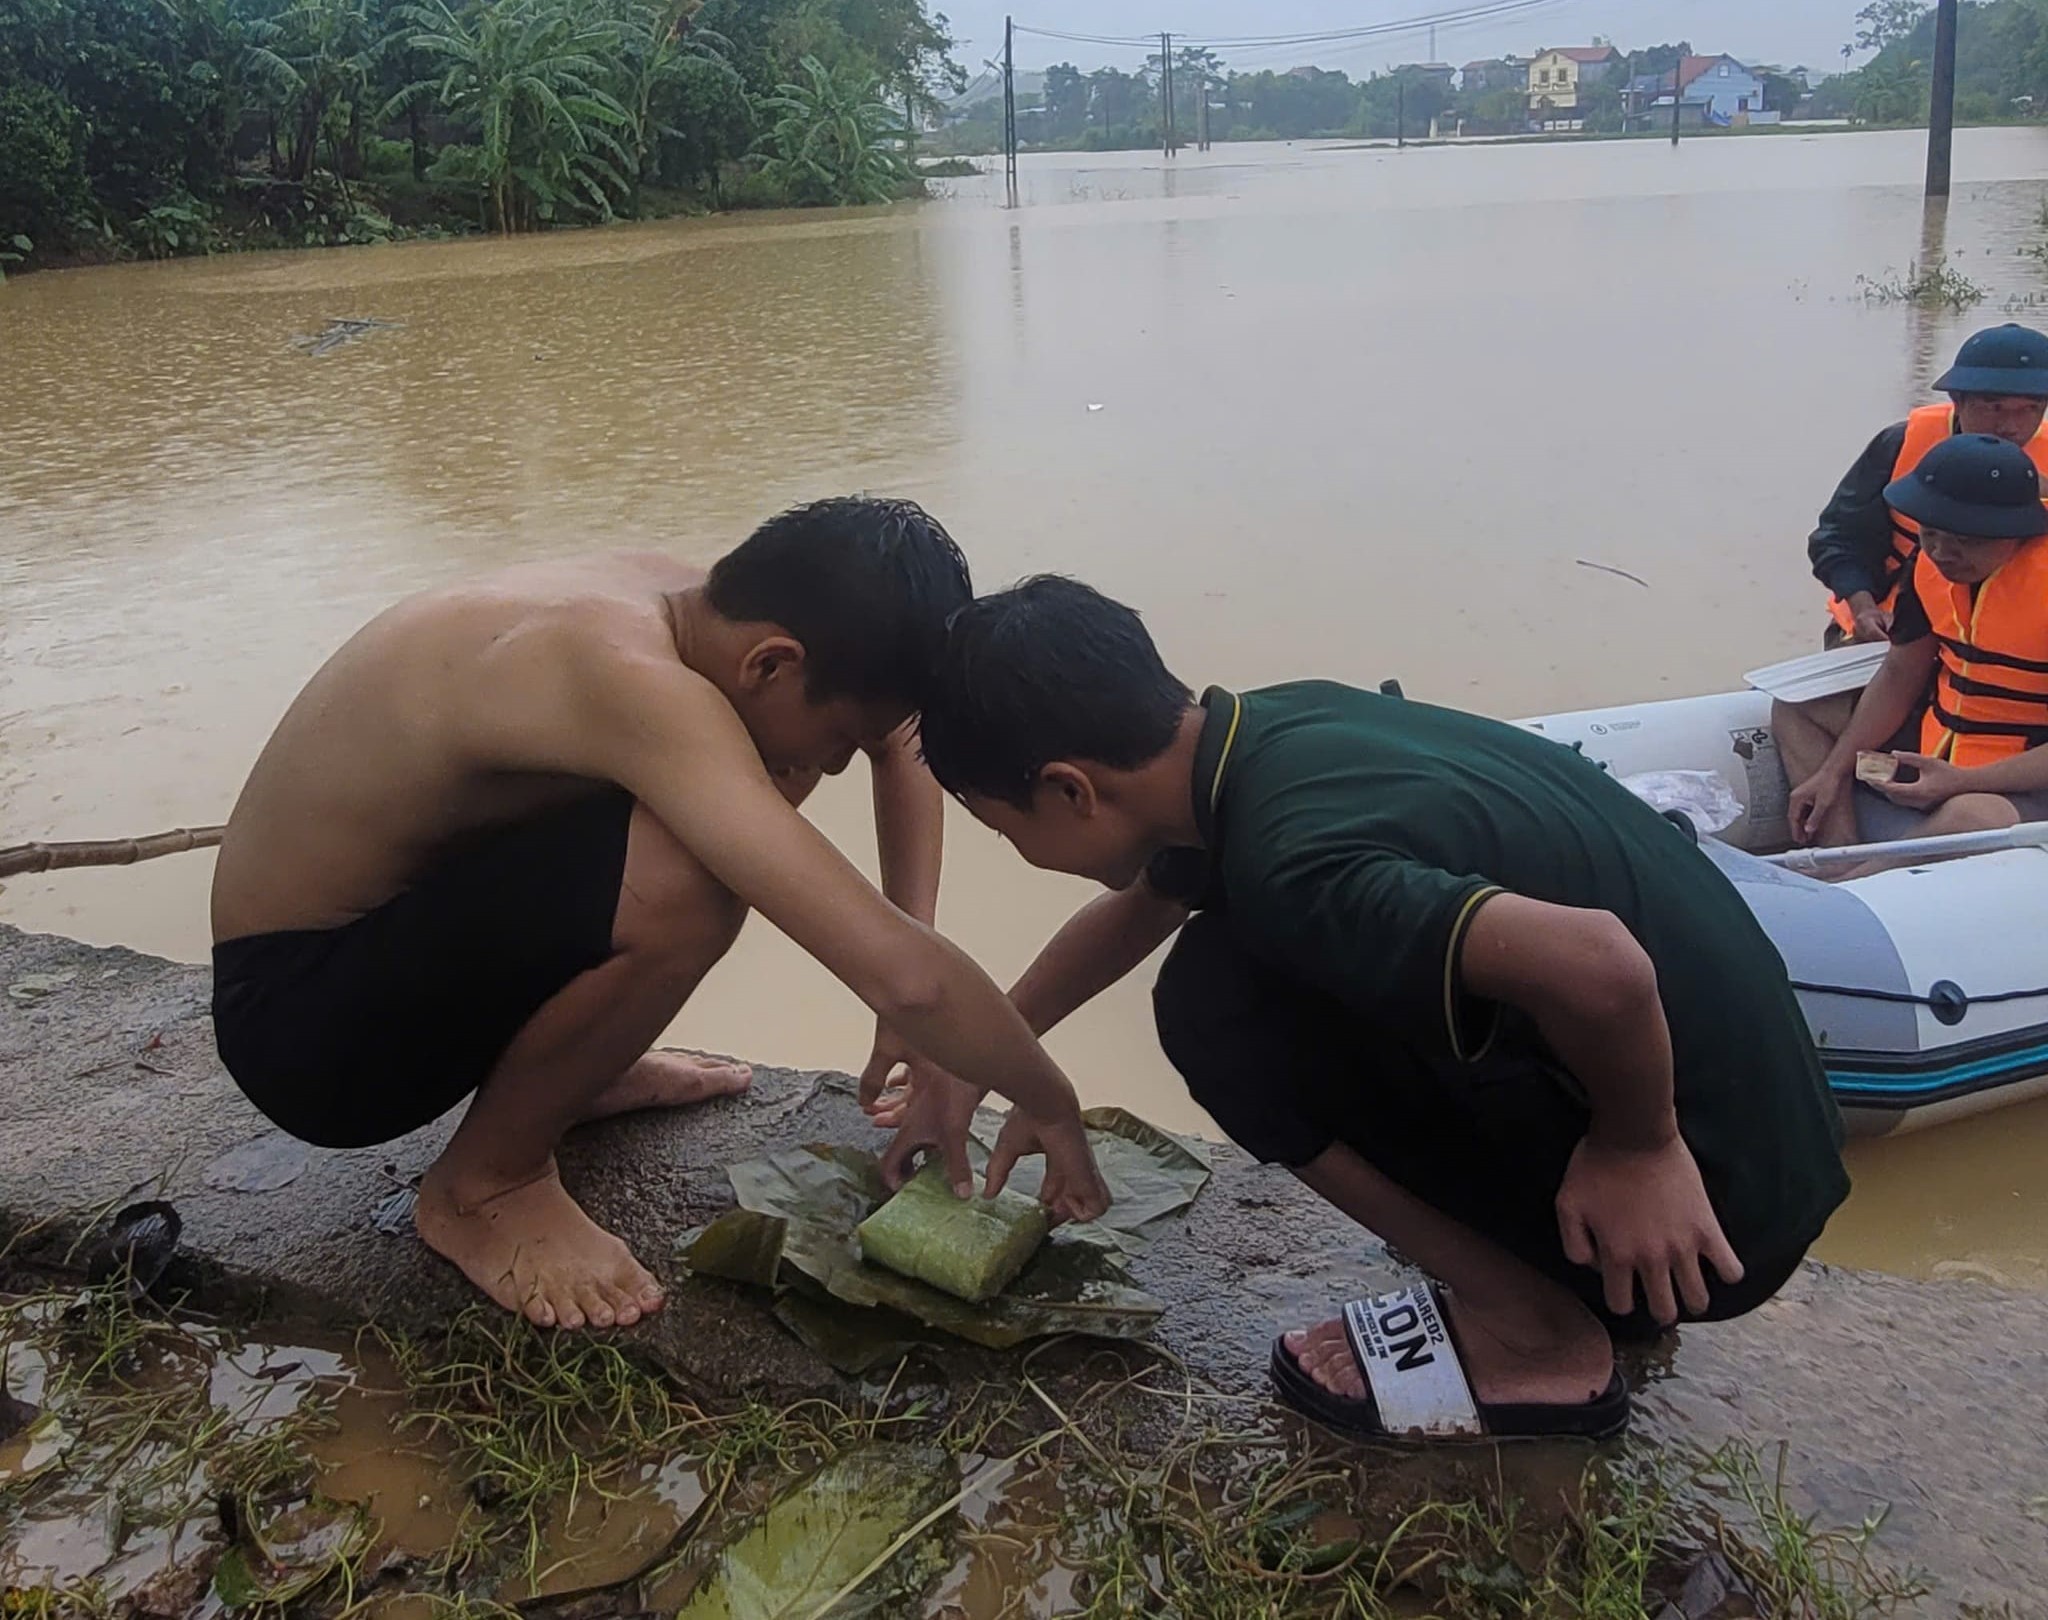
[
  {"x": 1073, "y": 1189},
  {"x": 936, "y": 1117},
  {"x": 1643, "y": 1212},
  {"x": 891, "y": 1052}
]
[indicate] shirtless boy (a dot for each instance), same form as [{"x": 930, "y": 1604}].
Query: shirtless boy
[{"x": 505, "y": 831}]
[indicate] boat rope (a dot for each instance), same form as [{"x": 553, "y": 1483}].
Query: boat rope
[{"x": 1934, "y": 998}]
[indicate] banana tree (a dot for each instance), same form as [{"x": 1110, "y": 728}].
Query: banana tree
[
  {"x": 532, "y": 76},
  {"x": 833, "y": 139}
]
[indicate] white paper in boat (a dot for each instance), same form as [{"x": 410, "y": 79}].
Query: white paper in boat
[{"x": 1821, "y": 674}]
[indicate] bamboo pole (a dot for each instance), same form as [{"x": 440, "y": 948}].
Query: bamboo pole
[{"x": 57, "y": 857}]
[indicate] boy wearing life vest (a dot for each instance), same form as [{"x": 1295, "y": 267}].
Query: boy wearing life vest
[
  {"x": 1969, "y": 641},
  {"x": 1459, "y": 980},
  {"x": 1863, "y": 548}
]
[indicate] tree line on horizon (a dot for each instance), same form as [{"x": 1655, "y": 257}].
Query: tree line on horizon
[{"x": 157, "y": 127}]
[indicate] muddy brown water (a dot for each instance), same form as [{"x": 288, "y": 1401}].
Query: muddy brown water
[{"x": 1318, "y": 411}]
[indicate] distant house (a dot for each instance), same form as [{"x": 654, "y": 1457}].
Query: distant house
[
  {"x": 1556, "y": 75},
  {"x": 1495, "y": 73},
  {"x": 1440, "y": 74},
  {"x": 1713, "y": 91}
]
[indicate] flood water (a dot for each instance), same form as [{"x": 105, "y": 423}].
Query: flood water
[{"x": 1342, "y": 412}]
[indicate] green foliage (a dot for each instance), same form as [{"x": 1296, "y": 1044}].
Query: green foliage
[
  {"x": 176, "y": 126},
  {"x": 529, "y": 74},
  {"x": 179, "y": 225},
  {"x": 42, "y": 172},
  {"x": 1884, "y": 23},
  {"x": 2001, "y": 64},
  {"x": 833, "y": 140}
]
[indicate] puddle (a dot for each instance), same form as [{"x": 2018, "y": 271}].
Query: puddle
[{"x": 313, "y": 1474}]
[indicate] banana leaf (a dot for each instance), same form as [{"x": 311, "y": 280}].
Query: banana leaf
[
  {"x": 971, "y": 1248},
  {"x": 823, "y": 1194},
  {"x": 1152, "y": 1176},
  {"x": 860, "y": 1512},
  {"x": 854, "y": 1341},
  {"x": 740, "y": 1246}
]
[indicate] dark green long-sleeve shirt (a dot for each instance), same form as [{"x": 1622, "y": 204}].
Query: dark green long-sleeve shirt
[{"x": 1850, "y": 545}]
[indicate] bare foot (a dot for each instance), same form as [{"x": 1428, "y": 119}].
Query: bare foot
[
  {"x": 670, "y": 1080},
  {"x": 533, "y": 1250},
  {"x": 1567, "y": 1371}
]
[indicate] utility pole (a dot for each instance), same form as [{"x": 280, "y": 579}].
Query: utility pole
[
  {"x": 1166, "y": 141},
  {"x": 1401, "y": 111},
  {"x": 1941, "y": 119},
  {"x": 1010, "y": 107},
  {"x": 1677, "y": 95}
]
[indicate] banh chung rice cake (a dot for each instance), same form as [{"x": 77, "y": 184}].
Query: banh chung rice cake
[{"x": 971, "y": 1248}]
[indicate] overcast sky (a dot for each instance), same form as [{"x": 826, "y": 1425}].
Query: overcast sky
[{"x": 1811, "y": 32}]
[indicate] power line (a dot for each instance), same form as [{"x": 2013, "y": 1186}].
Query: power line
[{"x": 1474, "y": 12}]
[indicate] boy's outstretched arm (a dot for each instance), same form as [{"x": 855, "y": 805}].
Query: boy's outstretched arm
[
  {"x": 1097, "y": 947},
  {"x": 642, "y": 720}
]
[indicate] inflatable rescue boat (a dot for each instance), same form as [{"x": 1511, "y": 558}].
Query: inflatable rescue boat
[{"x": 1926, "y": 986}]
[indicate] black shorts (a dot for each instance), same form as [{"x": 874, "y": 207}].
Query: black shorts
[
  {"x": 1287, "y": 1072},
  {"x": 351, "y": 1036}
]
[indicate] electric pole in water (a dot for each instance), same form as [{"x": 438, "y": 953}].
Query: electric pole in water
[
  {"x": 1677, "y": 96},
  {"x": 1941, "y": 118},
  {"x": 1166, "y": 141},
  {"x": 1010, "y": 107}
]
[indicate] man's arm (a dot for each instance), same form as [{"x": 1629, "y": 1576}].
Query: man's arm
[
  {"x": 1632, "y": 1200},
  {"x": 1894, "y": 692},
  {"x": 639, "y": 718},
  {"x": 1094, "y": 949},
  {"x": 1936, "y": 781},
  {"x": 910, "y": 824},
  {"x": 1854, "y": 536},
  {"x": 910, "y": 830}
]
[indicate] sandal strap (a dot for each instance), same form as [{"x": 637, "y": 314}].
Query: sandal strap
[{"x": 1404, "y": 1350}]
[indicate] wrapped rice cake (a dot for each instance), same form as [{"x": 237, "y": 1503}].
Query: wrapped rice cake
[{"x": 971, "y": 1248}]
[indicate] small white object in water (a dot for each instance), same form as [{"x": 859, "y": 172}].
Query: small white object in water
[{"x": 1094, "y": 408}]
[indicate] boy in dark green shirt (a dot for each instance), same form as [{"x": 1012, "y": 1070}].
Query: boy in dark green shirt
[{"x": 1451, "y": 974}]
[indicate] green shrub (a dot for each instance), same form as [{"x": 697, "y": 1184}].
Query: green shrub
[
  {"x": 382, "y": 157},
  {"x": 43, "y": 191}
]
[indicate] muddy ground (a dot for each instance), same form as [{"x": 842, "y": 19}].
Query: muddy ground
[{"x": 1929, "y": 1397}]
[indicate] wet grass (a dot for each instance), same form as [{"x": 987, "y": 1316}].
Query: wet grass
[{"x": 1174, "y": 1502}]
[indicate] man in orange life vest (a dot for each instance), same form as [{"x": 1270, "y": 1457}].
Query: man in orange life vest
[
  {"x": 1969, "y": 640},
  {"x": 1862, "y": 548}
]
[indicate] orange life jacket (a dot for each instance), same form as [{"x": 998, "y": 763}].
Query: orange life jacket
[
  {"x": 1925, "y": 428},
  {"x": 1991, "y": 690}
]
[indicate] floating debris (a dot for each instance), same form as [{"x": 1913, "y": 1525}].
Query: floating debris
[
  {"x": 392, "y": 1215},
  {"x": 262, "y": 1164},
  {"x": 33, "y": 987},
  {"x": 1620, "y": 573},
  {"x": 139, "y": 1244},
  {"x": 39, "y": 1446},
  {"x": 339, "y": 330}
]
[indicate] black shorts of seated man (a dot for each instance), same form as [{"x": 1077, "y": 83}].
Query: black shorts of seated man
[
  {"x": 1461, "y": 982},
  {"x": 505, "y": 831}
]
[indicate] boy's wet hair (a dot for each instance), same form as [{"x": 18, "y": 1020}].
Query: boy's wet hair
[
  {"x": 866, "y": 585},
  {"x": 1050, "y": 670}
]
